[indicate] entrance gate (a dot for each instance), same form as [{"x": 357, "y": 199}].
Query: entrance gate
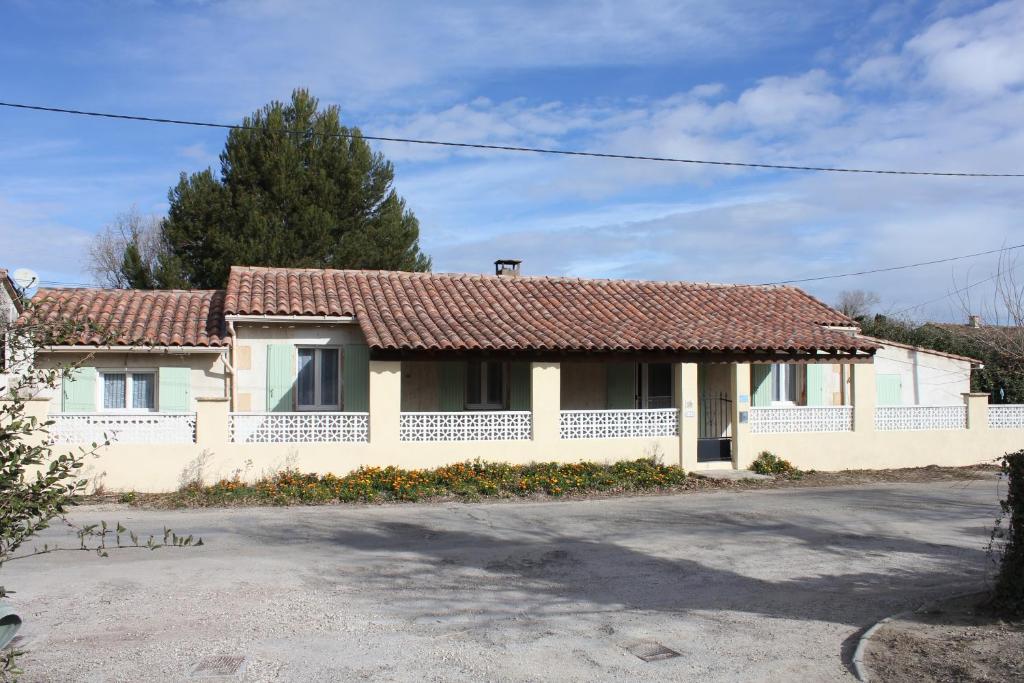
[{"x": 714, "y": 442}]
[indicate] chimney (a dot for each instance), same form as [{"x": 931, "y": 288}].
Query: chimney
[
  {"x": 974, "y": 321},
  {"x": 507, "y": 267}
]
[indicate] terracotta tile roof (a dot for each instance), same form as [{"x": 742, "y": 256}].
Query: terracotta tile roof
[
  {"x": 135, "y": 317},
  {"x": 430, "y": 311}
]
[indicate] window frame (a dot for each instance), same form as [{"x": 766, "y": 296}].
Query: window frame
[
  {"x": 318, "y": 406},
  {"x": 129, "y": 389},
  {"x": 789, "y": 380},
  {"x": 644, "y": 390},
  {"x": 484, "y": 405}
]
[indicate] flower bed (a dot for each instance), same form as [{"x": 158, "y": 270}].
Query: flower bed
[{"x": 468, "y": 480}]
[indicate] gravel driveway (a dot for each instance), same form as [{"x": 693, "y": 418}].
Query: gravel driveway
[{"x": 755, "y": 585}]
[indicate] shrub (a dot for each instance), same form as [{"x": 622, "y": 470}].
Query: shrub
[
  {"x": 1008, "y": 593},
  {"x": 769, "y": 463},
  {"x": 469, "y": 480}
]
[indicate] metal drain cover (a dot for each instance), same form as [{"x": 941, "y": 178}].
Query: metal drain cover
[
  {"x": 218, "y": 665},
  {"x": 650, "y": 651}
]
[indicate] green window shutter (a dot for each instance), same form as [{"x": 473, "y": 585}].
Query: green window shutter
[
  {"x": 280, "y": 377},
  {"x": 356, "y": 376},
  {"x": 760, "y": 385},
  {"x": 519, "y": 386},
  {"x": 174, "y": 390},
  {"x": 621, "y": 386},
  {"x": 452, "y": 386},
  {"x": 78, "y": 391},
  {"x": 889, "y": 390},
  {"x": 817, "y": 384}
]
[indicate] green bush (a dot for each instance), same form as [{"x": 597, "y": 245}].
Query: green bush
[
  {"x": 1008, "y": 593},
  {"x": 769, "y": 463},
  {"x": 469, "y": 480}
]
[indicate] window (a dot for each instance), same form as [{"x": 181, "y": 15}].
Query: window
[
  {"x": 655, "y": 385},
  {"x": 128, "y": 390},
  {"x": 485, "y": 385},
  {"x": 784, "y": 381},
  {"x": 318, "y": 378}
]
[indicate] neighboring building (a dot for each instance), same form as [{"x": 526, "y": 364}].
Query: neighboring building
[
  {"x": 417, "y": 369},
  {"x": 10, "y": 308},
  {"x": 912, "y": 375}
]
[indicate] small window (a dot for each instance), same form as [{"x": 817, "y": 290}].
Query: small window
[
  {"x": 129, "y": 391},
  {"x": 318, "y": 379},
  {"x": 485, "y": 385},
  {"x": 784, "y": 381},
  {"x": 654, "y": 385}
]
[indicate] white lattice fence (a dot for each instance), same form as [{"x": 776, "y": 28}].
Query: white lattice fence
[
  {"x": 299, "y": 427},
  {"x": 482, "y": 425},
  {"x": 801, "y": 419},
  {"x": 1006, "y": 416},
  {"x": 619, "y": 424},
  {"x": 88, "y": 428},
  {"x": 909, "y": 418}
]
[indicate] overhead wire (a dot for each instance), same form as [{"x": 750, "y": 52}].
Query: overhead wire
[{"x": 507, "y": 148}]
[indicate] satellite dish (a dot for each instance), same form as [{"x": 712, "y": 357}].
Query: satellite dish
[{"x": 25, "y": 278}]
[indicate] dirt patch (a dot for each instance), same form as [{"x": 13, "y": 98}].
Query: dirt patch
[
  {"x": 693, "y": 484},
  {"x": 958, "y": 640}
]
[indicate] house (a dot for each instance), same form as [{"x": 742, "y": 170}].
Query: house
[
  {"x": 10, "y": 309},
  {"x": 347, "y": 368},
  {"x": 1001, "y": 342}
]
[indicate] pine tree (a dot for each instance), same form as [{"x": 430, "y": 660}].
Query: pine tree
[{"x": 296, "y": 189}]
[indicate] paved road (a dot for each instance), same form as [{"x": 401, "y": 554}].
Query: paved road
[{"x": 769, "y": 585}]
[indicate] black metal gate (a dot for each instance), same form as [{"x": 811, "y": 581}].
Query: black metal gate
[{"x": 714, "y": 442}]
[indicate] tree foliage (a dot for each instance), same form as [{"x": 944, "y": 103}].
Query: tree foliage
[
  {"x": 1008, "y": 592},
  {"x": 130, "y": 252},
  {"x": 857, "y": 303},
  {"x": 296, "y": 189}
]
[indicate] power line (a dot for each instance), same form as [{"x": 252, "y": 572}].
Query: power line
[
  {"x": 946, "y": 296},
  {"x": 508, "y": 148},
  {"x": 891, "y": 268}
]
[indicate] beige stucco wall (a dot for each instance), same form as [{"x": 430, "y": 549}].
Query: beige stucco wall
[
  {"x": 927, "y": 379},
  {"x": 155, "y": 467},
  {"x": 251, "y": 344},
  {"x": 584, "y": 386},
  {"x": 208, "y": 376}
]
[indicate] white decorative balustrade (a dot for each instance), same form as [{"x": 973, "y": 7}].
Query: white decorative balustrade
[
  {"x": 476, "y": 425},
  {"x": 912, "y": 418},
  {"x": 299, "y": 427},
  {"x": 89, "y": 428},
  {"x": 619, "y": 424},
  {"x": 801, "y": 419},
  {"x": 1006, "y": 416}
]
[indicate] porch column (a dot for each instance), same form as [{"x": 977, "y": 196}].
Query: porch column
[
  {"x": 864, "y": 398},
  {"x": 684, "y": 380},
  {"x": 385, "y": 402},
  {"x": 977, "y": 410},
  {"x": 546, "y": 404},
  {"x": 212, "y": 429},
  {"x": 739, "y": 384}
]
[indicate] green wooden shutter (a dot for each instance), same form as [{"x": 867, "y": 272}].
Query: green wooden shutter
[
  {"x": 174, "y": 390},
  {"x": 452, "y": 386},
  {"x": 357, "y": 378},
  {"x": 621, "y": 386},
  {"x": 78, "y": 391},
  {"x": 760, "y": 385},
  {"x": 519, "y": 386},
  {"x": 817, "y": 384},
  {"x": 280, "y": 377},
  {"x": 889, "y": 390}
]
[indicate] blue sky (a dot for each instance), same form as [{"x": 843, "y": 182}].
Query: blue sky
[{"x": 904, "y": 85}]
